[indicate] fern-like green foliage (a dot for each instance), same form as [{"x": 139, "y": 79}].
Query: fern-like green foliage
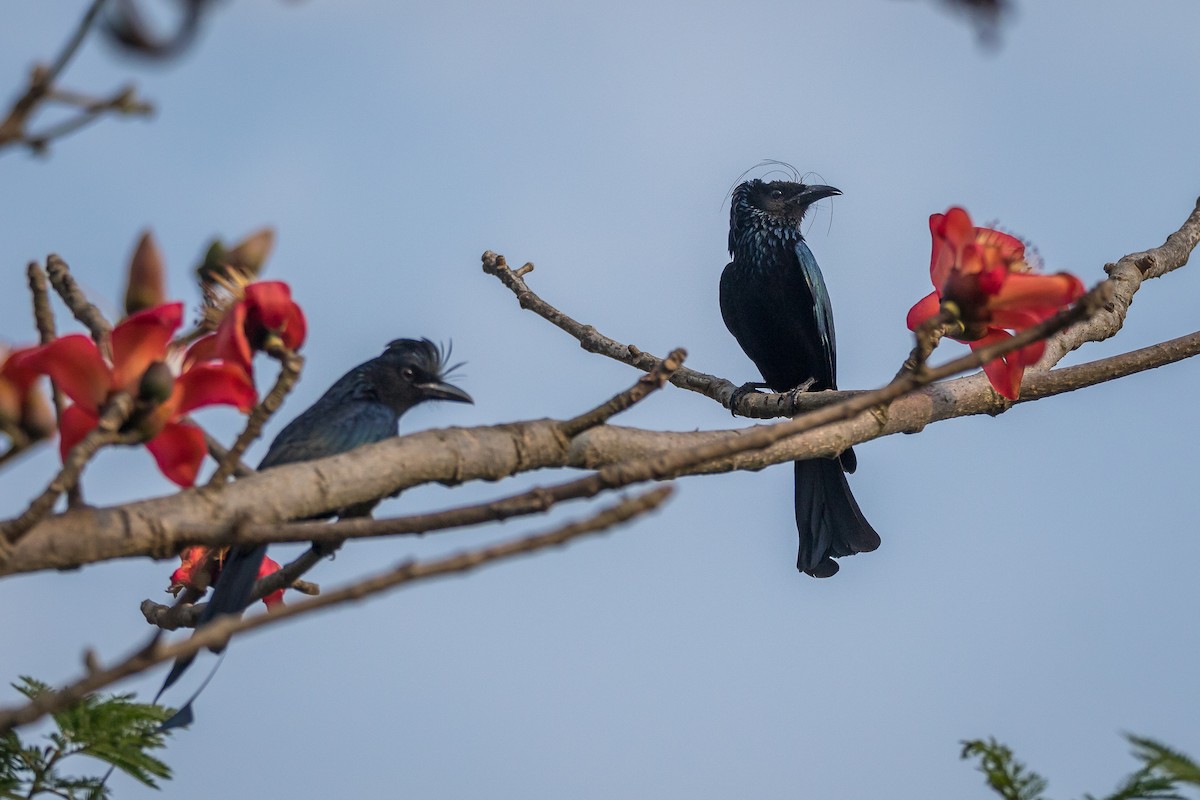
[
  {"x": 1005, "y": 775},
  {"x": 111, "y": 728},
  {"x": 1164, "y": 773}
]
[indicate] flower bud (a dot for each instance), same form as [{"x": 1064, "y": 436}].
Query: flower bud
[
  {"x": 156, "y": 384},
  {"x": 146, "y": 285},
  {"x": 37, "y": 417},
  {"x": 249, "y": 255}
]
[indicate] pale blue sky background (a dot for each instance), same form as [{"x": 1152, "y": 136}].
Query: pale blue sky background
[{"x": 1037, "y": 578}]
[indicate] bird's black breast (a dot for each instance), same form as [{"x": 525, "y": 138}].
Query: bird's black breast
[{"x": 779, "y": 318}]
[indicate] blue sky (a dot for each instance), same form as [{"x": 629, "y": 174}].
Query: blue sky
[{"x": 1036, "y": 578}]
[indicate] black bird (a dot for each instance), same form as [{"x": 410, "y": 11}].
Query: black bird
[
  {"x": 774, "y": 302},
  {"x": 364, "y": 406}
]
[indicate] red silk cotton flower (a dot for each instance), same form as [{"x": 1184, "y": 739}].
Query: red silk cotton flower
[
  {"x": 192, "y": 560},
  {"x": 22, "y": 406},
  {"x": 982, "y": 275},
  {"x": 265, "y": 309},
  {"x": 139, "y": 351}
]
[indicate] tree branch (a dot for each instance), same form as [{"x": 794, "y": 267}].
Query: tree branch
[
  {"x": 221, "y": 630},
  {"x": 1127, "y": 276},
  {"x": 160, "y": 527},
  {"x": 81, "y": 307},
  {"x": 106, "y": 432},
  {"x": 14, "y": 127}
]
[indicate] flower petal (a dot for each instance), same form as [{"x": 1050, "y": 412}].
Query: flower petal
[
  {"x": 214, "y": 383},
  {"x": 1024, "y": 290},
  {"x": 269, "y": 303},
  {"x": 77, "y": 422},
  {"x": 231, "y": 343},
  {"x": 925, "y": 308},
  {"x": 295, "y": 327},
  {"x": 192, "y": 560},
  {"x": 1003, "y": 373},
  {"x": 1018, "y": 320},
  {"x": 179, "y": 450},
  {"x": 74, "y": 363},
  {"x": 267, "y": 567},
  {"x": 203, "y": 349},
  {"x": 951, "y": 232},
  {"x": 140, "y": 340}
]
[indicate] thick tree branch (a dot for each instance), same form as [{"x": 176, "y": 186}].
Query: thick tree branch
[
  {"x": 220, "y": 631},
  {"x": 160, "y": 527}
]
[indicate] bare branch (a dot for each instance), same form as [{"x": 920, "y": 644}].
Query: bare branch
[
  {"x": 1127, "y": 274},
  {"x": 648, "y": 383},
  {"x": 81, "y": 307},
  {"x": 160, "y": 527},
  {"x": 219, "y": 454},
  {"x": 14, "y": 127},
  {"x": 43, "y": 317},
  {"x": 221, "y": 630},
  {"x": 106, "y": 432}
]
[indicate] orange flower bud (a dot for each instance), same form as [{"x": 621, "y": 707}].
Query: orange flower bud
[{"x": 147, "y": 285}]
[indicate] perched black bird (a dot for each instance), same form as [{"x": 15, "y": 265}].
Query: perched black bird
[
  {"x": 364, "y": 406},
  {"x": 774, "y": 302}
]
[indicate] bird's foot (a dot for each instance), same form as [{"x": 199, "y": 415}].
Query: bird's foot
[
  {"x": 746, "y": 388},
  {"x": 327, "y": 549},
  {"x": 794, "y": 394}
]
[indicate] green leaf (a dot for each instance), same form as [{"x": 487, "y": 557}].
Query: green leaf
[
  {"x": 112, "y": 728},
  {"x": 1005, "y": 775}
]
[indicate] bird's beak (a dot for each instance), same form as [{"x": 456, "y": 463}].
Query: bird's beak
[
  {"x": 812, "y": 194},
  {"x": 444, "y": 391}
]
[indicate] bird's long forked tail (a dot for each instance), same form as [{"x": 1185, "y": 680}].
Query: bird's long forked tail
[
  {"x": 231, "y": 595},
  {"x": 828, "y": 519}
]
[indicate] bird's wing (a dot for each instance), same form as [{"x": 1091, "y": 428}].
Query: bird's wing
[
  {"x": 328, "y": 429},
  {"x": 822, "y": 307}
]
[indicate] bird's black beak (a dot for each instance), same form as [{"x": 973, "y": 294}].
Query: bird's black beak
[
  {"x": 444, "y": 391},
  {"x": 812, "y": 194}
]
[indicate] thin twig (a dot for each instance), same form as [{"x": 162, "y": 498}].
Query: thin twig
[
  {"x": 221, "y": 630},
  {"x": 43, "y": 317},
  {"x": 124, "y": 101},
  {"x": 14, "y": 127},
  {"x": 43, "y": 78},
  {"x": 219, "y": 453},
  {"x": 81, "y": 307},
  {"x": 648, "y": 383},
  {"x": 290, "y": 364},
  {"x": 106, "y": 432},
  {"x": 1127, "y": 274},
  {"x": 176, "y": 616}
]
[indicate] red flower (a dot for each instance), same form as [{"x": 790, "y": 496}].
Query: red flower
[
  {"x": 982, "y": 275},
  {"x": 22, "y": 406},
  {"x": 139, "y": 350},
  {"x": 266, "y": 309},
  {"x": 192, "y": 559}
]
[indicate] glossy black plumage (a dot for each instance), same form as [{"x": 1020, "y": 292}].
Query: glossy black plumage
[
  {"x": 774, "y": 302},
  {"x": 363, "y": 406}
]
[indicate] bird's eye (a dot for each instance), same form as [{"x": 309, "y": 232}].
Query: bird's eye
[
  {"x": 776, "y": 194},
  {"x": 408, "y": 373}
]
